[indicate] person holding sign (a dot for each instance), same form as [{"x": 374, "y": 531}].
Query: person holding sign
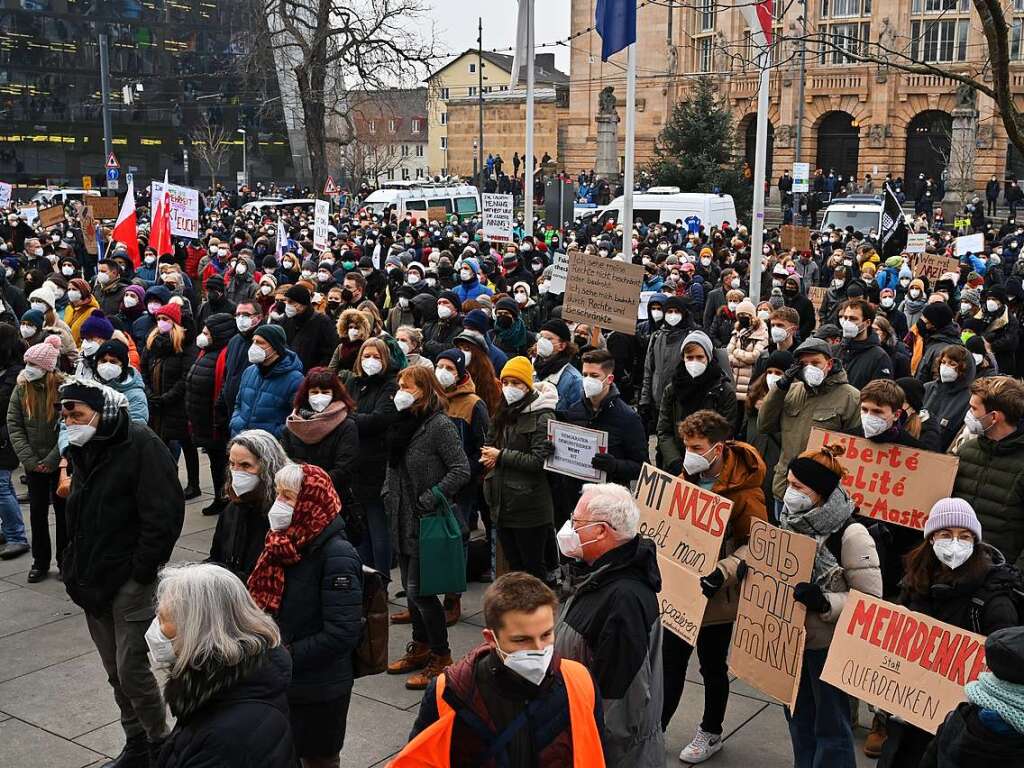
[
  {"x": 816, "y": 505},
  {"x": 956, "y": 578},
  {"x": 735, "y": 471},
  {"x": 988, "y": 729},
  {"x": 613, "y": 623}
]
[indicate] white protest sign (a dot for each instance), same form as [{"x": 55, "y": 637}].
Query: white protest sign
[
  {"x": 29, "y": 213},
  {"x": 916, "y": 243},
  {"x": 497, "y": 217},
  {"x": 5, "y": 194},
  {"x": 184, "y": 208},
  {"x": 575, "y": 448},
  {"x": 321, "y": 211},
  {"x": 801, "y": 177},
  {"x": 645, "y": 299},
  {"x": 969, "y": 244},
  {"x": 559, "y": 271}
]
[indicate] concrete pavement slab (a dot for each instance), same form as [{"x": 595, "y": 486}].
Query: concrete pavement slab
[
  {"x": 108, "y": 740},
  {"x": 25, "y": 746},
  {"x": 22, "y": 609},
  {"x": 37, "y": 648},
  {"x": 365, "y": 744}
]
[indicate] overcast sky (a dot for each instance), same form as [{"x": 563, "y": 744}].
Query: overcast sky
[{"x": 456, "y": 23}]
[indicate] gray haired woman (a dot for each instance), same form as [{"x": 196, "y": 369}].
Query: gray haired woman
[
  {"x": 254, "y": 457},
  {"x": 410, "y": 340},
  {"x": 227, "y": 674}
]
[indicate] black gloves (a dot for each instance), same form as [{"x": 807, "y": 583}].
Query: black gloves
[
  {"x": 548, "y": 450},
  {"x": 793, "y": 373},
  {"x": 741, "y": 571},
  {"x": 711, "y": 583},
  {"x": 603, "y": 461},
  {"x": 811, "y": 596}
]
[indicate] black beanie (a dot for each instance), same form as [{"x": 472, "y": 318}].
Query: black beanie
[
  {"x": 938, "y": 314},
  {"x": 299, "y": 294},
  {"x": 559, "y": 328},
  {"x": 274, "y": 336},
  {"x": 781, "y": 359},
  {"x": 814, "y": 475},
  {"x": 913, "y": 391},
  {"x": 1004, "y": 652},
  {"x": 459, "y": 359}
]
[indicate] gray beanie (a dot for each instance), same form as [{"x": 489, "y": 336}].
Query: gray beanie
[
  {"x": 814, "y": 345},
  {"x": 701, "y": 338}
]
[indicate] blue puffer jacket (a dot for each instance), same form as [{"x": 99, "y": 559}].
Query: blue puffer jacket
[{"x": 265, "y": 397}]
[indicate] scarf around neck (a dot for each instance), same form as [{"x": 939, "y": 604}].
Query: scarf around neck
[
  {"x": 1004, "y": 698},
  {"x": 311, "y": 427},
  {"x": 819, "y": 523}
]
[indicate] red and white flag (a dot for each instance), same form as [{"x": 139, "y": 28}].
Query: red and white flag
[
  {"x": 125, "y": 230},
  {"x": 759, "y": 17},
  {"x": 160, "y": 229}
]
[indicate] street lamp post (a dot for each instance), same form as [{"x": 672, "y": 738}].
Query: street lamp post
[{"x": 245, "y": 165}]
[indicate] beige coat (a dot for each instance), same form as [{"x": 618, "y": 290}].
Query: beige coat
[{"x": 745, "y": 346}]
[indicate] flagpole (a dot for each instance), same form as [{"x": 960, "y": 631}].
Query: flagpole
[
  {"x": 761, "y": 150},
  {"x": 528, "y": 176},
  {"x": 628, "y": 165}
]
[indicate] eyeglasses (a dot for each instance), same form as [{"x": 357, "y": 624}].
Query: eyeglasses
[{"x": 583, "y": 523}]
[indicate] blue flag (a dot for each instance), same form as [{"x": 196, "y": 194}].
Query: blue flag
[{"x": 616, "y": 24}]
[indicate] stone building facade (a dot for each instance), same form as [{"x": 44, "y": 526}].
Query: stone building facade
[{"x": 857, "y": 118}]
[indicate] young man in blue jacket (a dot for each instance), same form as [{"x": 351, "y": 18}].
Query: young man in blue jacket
[{"x": 268, "y": 386}]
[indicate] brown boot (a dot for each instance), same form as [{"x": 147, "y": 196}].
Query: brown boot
[
  {"x": 452, "y": 609},
  {"x": 402, "y": 617},
  {"x": 416, "y": 657},
  {"x": 876, "y": 738},
  {"x": 435, "y": 667}
]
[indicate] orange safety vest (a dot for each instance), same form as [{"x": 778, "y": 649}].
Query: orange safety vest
[{"x": 432, "y": 746}]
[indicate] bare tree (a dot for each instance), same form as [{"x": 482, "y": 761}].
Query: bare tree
[
  {"x": 336, "y": 49},
  {"x": 211, "y": 142}
]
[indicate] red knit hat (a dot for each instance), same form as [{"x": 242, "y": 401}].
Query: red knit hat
[{"x": 171, "y": 311}]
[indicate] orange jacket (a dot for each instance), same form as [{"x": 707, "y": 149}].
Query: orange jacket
[{"x": 432, "y": 747}]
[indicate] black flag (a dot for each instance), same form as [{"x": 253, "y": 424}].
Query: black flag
[{"x": 893, "y": 234}]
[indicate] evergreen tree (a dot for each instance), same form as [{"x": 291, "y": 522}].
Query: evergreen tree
[{"x": 695, "y": 151}]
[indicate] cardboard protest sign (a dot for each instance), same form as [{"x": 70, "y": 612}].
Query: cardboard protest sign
[
  {"x": 183, "y": 209},
  {"x": 768, "y": 637},
  {"x": 497, "y": 217},
  {"x": 890, "y": 482},
  {"x": 969, "y": 244},
  {"x": 817, "y": 296},
  {"x": 437, "y": 213},
  {"x": 906, "y": 663},
  {"x": 792, "y": 236},
  {"x": 932, "y": 265},
  {"x": 88, "y": 224},
  {"x": 52, "y": 216},
  {"x": 687, "y": 524},
  {"x": 602, "y": 292},
  {"x": 104, "y": 207},
  {"x": 575, "y": 448},
  {"x": 916, "y": 243}
]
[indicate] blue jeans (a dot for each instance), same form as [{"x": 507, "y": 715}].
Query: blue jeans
[
  {"x": 820, "y": 727},
  {"x": 12, "y": 524},
  {"x": 375, "y": 548}
]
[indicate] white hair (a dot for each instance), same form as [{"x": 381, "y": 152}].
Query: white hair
[
  {"x": 289, "y": 478},
  {"x": 612, "y": 504},
  {"x": 215, "y": 616}
]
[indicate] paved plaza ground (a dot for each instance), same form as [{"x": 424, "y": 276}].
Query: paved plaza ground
[{"x": 57, "y": 711}]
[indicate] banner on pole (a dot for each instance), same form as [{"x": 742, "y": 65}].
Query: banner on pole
[
  {"x": 183, "y": 210},
  {"x": 602, "y": 292},
  {"x": 905, "y": 663},
  {"x": 889, "y": 482},
  {"x": 767, "y": 645},
  {"x": 5, "y": 194}
]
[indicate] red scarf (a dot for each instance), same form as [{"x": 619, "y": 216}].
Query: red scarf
[{"x": 316, "y": 507}]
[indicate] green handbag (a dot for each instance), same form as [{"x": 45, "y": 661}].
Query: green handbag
[{"x": 442, "y": 559}]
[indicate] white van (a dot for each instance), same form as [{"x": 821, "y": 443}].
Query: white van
[
  {"x": 416, "y": 197},
  {"x": 47, "y": 197},
  {"x": 660, "y": 205},
  {"x": 862, "y": 212}
]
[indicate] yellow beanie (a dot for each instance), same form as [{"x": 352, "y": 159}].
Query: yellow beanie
[{"x": 519, "y": 368}]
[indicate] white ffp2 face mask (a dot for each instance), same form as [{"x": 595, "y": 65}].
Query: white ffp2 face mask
[
  {"x": 243, "y": 482},
  {"x": 529, "y": 665},
  {"x": 161, "y": 650},
  {"x": 512, "y": 394},
  {"x": 280, "y": 515},
  {"x": 796, "y": 501},
  {"x": 952, "y": 552},
  {"x": 320, "y": 402}
]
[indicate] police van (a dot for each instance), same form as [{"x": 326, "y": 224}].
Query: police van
[
  {"x": 417, "y": 197},
  {"x": 660, "y": 205}
]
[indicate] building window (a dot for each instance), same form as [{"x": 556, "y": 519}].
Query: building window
[
  {"x": 472, "y": 68},
  {"x": 391, "y": 174},
  {"x": 392, "y": 125},
  {"x": 405, "y": 174},
  {"x": 419, "y": 150},
  {"x": 444, "y": 142},
  {"x": 445, "y": 94},
  {"x": 419, "y": 173},
  {"x": 845, "y": 9},
  {"x": 472, "y": 90},
  {"x": 705, "y": 49},
  {"x": 703, "y": 35},
  {"x": 942, "y": 40},
  {"x": 371, "y": 126},
  {"x": 444, "y": 118},
  {"x": 841, "y": 40},
  {"x": 415, "y": 128},
  {"x": 706, "y": 15},
  {"x": 405, "y": 150},
  {"x": 947, "y": 6}
]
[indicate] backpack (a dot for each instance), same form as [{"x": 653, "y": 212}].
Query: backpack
[
  {"x": 1005, "y": 580},
  {"x": 370, "y": 657}
]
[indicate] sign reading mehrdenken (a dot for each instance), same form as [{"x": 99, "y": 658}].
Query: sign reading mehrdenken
[
  {"x": 498, "y": 217},
  {"x": 906, "y": 663},
  {"x": 184, "y": 208}
]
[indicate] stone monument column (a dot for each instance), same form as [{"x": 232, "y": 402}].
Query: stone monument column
[
  {"x": 962, "y": 152},
  {"x": 606, "y": 164}
]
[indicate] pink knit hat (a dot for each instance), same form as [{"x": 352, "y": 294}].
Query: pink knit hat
[
  {"x": 952, "y": 513},
  {"x": 44, "y": 354}
]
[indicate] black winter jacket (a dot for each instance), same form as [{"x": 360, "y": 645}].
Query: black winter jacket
[
  {"x": 321, "y": 615},
  {"x": 8, "y": 380},
  {"x": 200, "y": 391},
  {"x": 964, "y": 740},
  {"x": 234, "y": 717},
  {"x": 866, "y": 361},
  {"x": 312, "y": 336},
  {"x": 241, "y": 531},
  {"x": 439, "y": 335},
  {"x": 375, "y": 413},
  {"x": 164, "y": 371},
  {"x": 337, "y": 455},
  {"x": 627, "y": 440},
  {"x": 124, "y": 512},
  {"x": 236, "y": 360}
]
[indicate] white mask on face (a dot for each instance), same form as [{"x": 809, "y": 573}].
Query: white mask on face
[
  {"x": 153, "y": 306},
  {"x": 161, "y": 650},
  {"x": 74, "y": 296},
  {"x": 67, "y": 271},
  {"x": 280, "y": 515},
  {"x": 109, "y": 371},
  {"x": 39, "y": 305},
  {"x": 202, "y": 341},
  {"x": 468, "y": 355},
  {"x": 850, "y": 328},
  {"x": 966, "y": 308},
  {"x": 673, "y": 318},
  {"x": 243, "y": 482},
  {"x": 130, "y": 300},
  {"x": 975, "y": 425},
  {"x": 873, "y": 425},
  {"x": 887, "y": 302},
  {"x": 372, "y": 366},
  {"x": 695, "y": 367},
  {"x": 763, "y": 314},
  {"x": 813, "y": 375},
  {"x": 992, "y": 305},
  {"x": 695, "y": 463},
  {"x": 444, "y": 311},
  {"x": 103, "y": 278},
  {"x": 532, "y": 666},
  {"x": 404, "y": 346},
  {"x": 80, "y": 434},
  {"x": 445, "y": 377},
  {"x": 319, "y": 403},
  {"x": 779, "y": 335},
  {"x": 592, "y": 387},
  {"x": 796, "y": 501},
  {"x": 354, "y": 333},
  {"x": 952, "y": 552},
  {"x": 947, "y": 373},
  {"x": 732, "y": 305},
  {"x": 512, "y": 394},
  {"x": 32, "y": 373},
  {"x": 772, "y": 379},
  {"x": 290, "y": 310},
  {"x": 914, "y": 293},
  {"x": 257, "y": 355},
  {"x": 404, "y": 399},
  {"x": 657, "y": 315},
  {"x": 545, "y": 347},
  {"x": 90, "y": 347},
  {"x": 28, "y": 331},
  {"x": 243, "y": 323},
  {"x": 978, "y": 359},
  {"x": 265, "y": 290}
]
